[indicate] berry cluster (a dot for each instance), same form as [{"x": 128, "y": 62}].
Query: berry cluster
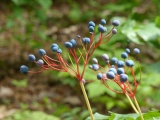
[
  {"x": 117, "y": 71},
  {"x": 76, "y": 55}
]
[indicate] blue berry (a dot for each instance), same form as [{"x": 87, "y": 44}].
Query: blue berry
[
  {"x": 95, "y": 67},
  {"x": 110, "y": 75},
  {"x": 113, "y": 70},
  {"x": 74, "y": 43},
  {"x": 112, "y": 66},
  {"x": 120, "y": 64},
  {"x": 54, "y": 49},
  {"x": 99, "y": 76},
  {"x": 42, "y": 52},
  {"x": 59, "y": 51},
  {"x": 101, "y": 28},
  {"x": 114, "y": 60},
  {"x": 136, "y": 51},
  {"x": 31, "y": 57},
  {"x": 123, "y": 77},
  {"x": 114, "y": 31},
  {"x": 68, "y": 45},
  {"x": 94, "y": 60},
  {"x": 86, "y": 40},
  {"x": 129, "y": 63},
  {"x": 24, "y": 69},
  {"x": 54, "y": 45},
  {"x": 40, "y": 62},
  {"x": 124, "y": 55},
  {"x": 127, "y": 50},
  {"x": 91, "y": 28},
  {"x": 105, "y": 57},
  {"x": 91, "y": 23},
  {"x": 115, "y": 22},
  {"x": 103, "y": 21},
  {"x": 90, "y": 66},
  {"x": 78, "y": 36},
  {"x": 120, "y": 71}
]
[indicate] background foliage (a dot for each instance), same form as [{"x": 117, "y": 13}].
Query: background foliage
[{"x": 26, "y": 26}]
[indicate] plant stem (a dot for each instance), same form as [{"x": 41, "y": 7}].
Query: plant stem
[
  {"x": 133, "y": 106},
  {"x": 86, "y": 99},
  {"x": 137, "y": 105}
]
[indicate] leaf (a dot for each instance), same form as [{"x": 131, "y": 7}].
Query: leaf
[
  {"x": 151, "y": 115},
  {"x": 157, "y": 21},
  {"x": 46, "y": 4},
  {"x": 98, "y": 116},
  {"x": 149, "y": 32}
]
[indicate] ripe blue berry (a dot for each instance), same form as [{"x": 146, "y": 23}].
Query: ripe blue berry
[
  {"x": 101, "y": 28},
  {"x": 54, "y": 49},
  {"x": 105, "y": 57},
  {"x": 103, "y": 21},
  {"x": 120, "y": 64},
  {"x": 123, "y": 77},
  {"x": 78, "y": 36},
  {"x": 113, "y": 70},
  {"x": 68, "y": 45},
  {"x": 59, "y": 51},
  {"x": 41, "y": 52},
  {"x": 110, "y": 75},
  {"x": 115, "y": 22},
  {"x": 24, "y": 69},
  {"x": 91, "y": 28},
  {"x": 129, "y": 63},
  {"x": 31, "y": 57},
  {"x": 54, "y": 45},
  {"x": 124, "y": 55},
  {"x": 91, "y": 23},
  {"x": 95, "y": 67},
  {"x": 114, "y": 60},
  {"x": 40, "y": 62},
  {"x": 120, "y": 71},
  {"x": 74, "y": 43},
  {"x": 86, "y": 40},
  {"x": 99, "y": 76},
  {"x": 114, "y": 31},
  {"x": 95, "y": 61},
  {"x": 127, "y": 50},
  {"x": 136, "y": 51}
]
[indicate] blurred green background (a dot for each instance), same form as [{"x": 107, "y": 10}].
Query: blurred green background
[{"x": 26, "y": 26}]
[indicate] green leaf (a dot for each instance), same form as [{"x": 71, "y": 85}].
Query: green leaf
[
  {"x": 46, "y": 4},
  {"x": 151, "y": 115},
  {"x": 157, "y": 21},
  {"x": 98, "y": 116}
]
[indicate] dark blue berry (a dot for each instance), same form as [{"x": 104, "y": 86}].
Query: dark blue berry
[
  {"x": 95, "y": 61},
  {"x": 124, "y": 55},
  {"x": 115, "y": 22},
  {"x": 41, "y": 52},
  {"x": 136, "y": 51},
  {"x": 86, "y": 40},
  {"x": 91, "y": 23},
  {"x": 74, "y": 43},
  {"x": 114, "y": 60},
  {"x": 78, "y": 36},
  {"x": 120, "y": 64},
  {"x": 110, "y": 75},
  {"x": 24, "y": 69},
  {"x": 105, "y": 57},
  {"x": 54, "y": 49},
  {"x": 123, "y": 77},
  {"x": 99, "y": 76},
  {"x": 114, "y": 31},
  {"x": 113, "y": 70},
  {"x": 91, "y": 28},
  {"x": 95, "y": 67},
  {"x": 68, "y": 45},
  {"x": 59, "y": 51},
  {"x": 40, "y": 62},
  {"x": 127, "y": 50},
  {"x": 31, "y": 57},
  {"x": 54, "y": 45},
  {"x": 120, "y": 71},
  {"x": 101, "y": 28},
  {"x": 129, "y": 63},
  {"x": 103, "y": 21}
]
